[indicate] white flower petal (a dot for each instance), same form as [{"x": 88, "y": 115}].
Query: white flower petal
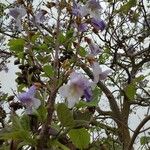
[
  {"x": 18, "y": 24},
  {"x": 94, "y": 8},
  {"x": 93, "y": 85},
  {"x": 22, "y": 11},
  {"x": 96, "y": 68},
  {"x": 36, "y": 103},
  {"x": 84, "y": 11},
  {"x": 72, "y": 100},
  {"x": 96, "y": 78},
  {"x": 95, "y": 14},
  {"x": 104, "y": 74},
  {"x": 29, "y": 110},
  {"x": 64, "y": 90},
  {"x": 96, "y": 71}
]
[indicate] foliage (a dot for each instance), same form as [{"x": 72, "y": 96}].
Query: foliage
[{"x": 80, "y": 137}]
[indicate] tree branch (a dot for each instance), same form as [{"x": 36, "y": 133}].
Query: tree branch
[{"x": 137, "y": 131}]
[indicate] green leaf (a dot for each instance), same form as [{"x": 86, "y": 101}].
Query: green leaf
[
  {"x": 49, "y": 71},
  {"x": 48, "y": 39},
  {"x": 127, "y": 6},
  {"x": 5, "y": 147},
  {"x": 138, "y": 79},
  {"x": 42, "y": 113},
  {"x": 16, "y": 45},
  {"x": 135, "y": 17},
  {"x": 43, "y": 47},
  {"x": 19, "y": 134},
  {"x": 16, "y": 125},
  {"x": 20, "y": 130},
  {"x": 144, "y": 140},
  {"x": 56, "y": 145},
  {"x": 20, "y": 88},
  {"x": 35, "y": 37},
  {"x": 3, "y": 97},
  {"x": 61, "y": 38},
  {"x": 69, "y": 34},
  {"x": 82, "y": 51},
  {"x": 80, "y": 137},
  {"x": 130, "y": 91},
  {"x": 81, "y": 123},
  {"x": 65, "y": 116},
  {"x": 80, "y": 115},
  {"x": 2, "y": 8},
  {"x": 25, "y": 122}
]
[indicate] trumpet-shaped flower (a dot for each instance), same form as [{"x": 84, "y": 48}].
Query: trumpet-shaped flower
[
  {"x": 98, "y": 24},
  {"x": 28, "y": 99},
  {"x": 17, "y": 13},
  {"x": 78, "y": 10},
  {"x": 78, "y": 86},
  {"x": 94, "y": 49},
  {"x": 98, "y": 73},
  {"x": 83, "y": 27},
  {"x": 94, "y": 8},
  {"x": 40, "y": 16}
]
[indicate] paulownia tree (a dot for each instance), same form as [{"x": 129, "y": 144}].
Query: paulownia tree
[{"x": 73, "y": 57}]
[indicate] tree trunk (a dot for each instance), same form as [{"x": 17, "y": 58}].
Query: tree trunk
[
  {"x": 123, "y": 130},
  {"x": 124, "y": 135}
]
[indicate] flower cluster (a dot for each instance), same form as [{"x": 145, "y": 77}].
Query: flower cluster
[
  {"x": 19, "y": 12},
  {"x": 93, "y": 9},
  {"x": 78, "y": 85}
]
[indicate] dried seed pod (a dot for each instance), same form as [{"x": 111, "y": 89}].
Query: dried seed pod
[
  {"x": 16, "y": 62},
  {"x": 10, "y": 98},
  {"x": 16, "y": 105},
  {"x": 21, "y": 67},
  {"x": 2, "y": 113}
]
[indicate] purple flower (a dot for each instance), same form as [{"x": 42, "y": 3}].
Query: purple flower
[
  {"x": 98, "y": 24},
  {"x": 94, "y": 5},
  {"x": 94, "y": 49},
  {"x": 83, "y": 27},
  {"x": 28, "y": 99},
  {"x": 78, "y": 86},
  {"x": 17, "y": 13},
  {"x": 83, "y": 83},
  {"x": 40, "y": 16},
  {"x": 78, "y": 10},
  {"x": 88, "y": 94},
  {"x": 94, "y": 8},
  {"x": 98, "y": 73}
]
